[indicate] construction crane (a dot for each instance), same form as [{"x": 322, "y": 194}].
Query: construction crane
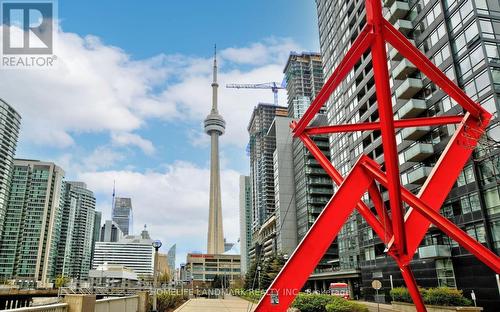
[{"x": 274, "y": 86}]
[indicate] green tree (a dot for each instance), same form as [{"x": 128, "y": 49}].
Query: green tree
[
  {"x": 163, "y": 278},
  {"x": 61, "y": 281},
  {"x": 270, "y": 269},
  {"x": 250, "y": 276}
]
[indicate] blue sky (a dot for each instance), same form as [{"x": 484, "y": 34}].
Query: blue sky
[{"x": 131, "y": 89}]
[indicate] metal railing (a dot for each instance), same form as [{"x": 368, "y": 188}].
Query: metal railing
[
  {"x": 102, "y": 291},
  {"x": 58, "y": 307}
]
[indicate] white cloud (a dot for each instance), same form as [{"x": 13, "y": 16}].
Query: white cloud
[
  {"x": 125, "y": 138},
  {"x": 99, "y": 88},
  {"x": 271, "y": 50},
  {"x": 173, "y": 203},
  {"x": 93, "y": 88}
]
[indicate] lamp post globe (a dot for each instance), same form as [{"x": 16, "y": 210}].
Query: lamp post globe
[{"x": 157, "y": 244}]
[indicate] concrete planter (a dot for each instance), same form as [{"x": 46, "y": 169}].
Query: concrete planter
[{"x": 409, "y": 307}]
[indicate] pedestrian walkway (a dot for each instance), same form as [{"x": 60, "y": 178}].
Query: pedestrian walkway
[{"x": 229, "y": 304}]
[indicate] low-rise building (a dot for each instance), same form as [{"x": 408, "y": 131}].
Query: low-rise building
[
  {"x": 112, "y": 275},
  {"x": 202, "y": 268}
]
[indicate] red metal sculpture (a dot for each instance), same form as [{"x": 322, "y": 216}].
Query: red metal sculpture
[{"x": 403, "y": 233}]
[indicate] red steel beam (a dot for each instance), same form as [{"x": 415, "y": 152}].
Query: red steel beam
[
  {"x": 386, "y": 115},
  {"x": 411, "y": 283},
  {"x": 414, "y": 55},
  {"x": 359, "y": 46},
  {"x": 318, "y": 239},
  {"x": 474, "y": 247},
  {"x": 384, "y": 232},
  {"x": 401, "y": 123},
  {"x": 443, "y": 176}
]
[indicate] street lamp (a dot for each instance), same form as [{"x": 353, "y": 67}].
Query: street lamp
[{"x": 156, "y": 245}]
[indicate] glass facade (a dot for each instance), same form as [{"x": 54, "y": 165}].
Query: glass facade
[
  {"x": 77, "y": 231},
  {"x": 123, "y": 215},
  {"x": 28, "y": 248},
  {"x": 10, "y": 122}
]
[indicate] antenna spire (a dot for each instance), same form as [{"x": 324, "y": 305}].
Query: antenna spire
[{"x": 215, "y": 65}]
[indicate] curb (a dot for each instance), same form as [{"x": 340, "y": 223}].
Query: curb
[{"x": 182, "y": 306}]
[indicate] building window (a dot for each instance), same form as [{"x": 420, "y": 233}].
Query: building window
[
  {"x": 489, "y": 170},
  {"x": 476, "y": 231},
  {"x": 370, "y": 253},
  {"x": 495, "y": 232},
  {"x": 470, "y": 203},
  {"x": 445, "y": 274},
  {"x": 492, "y": 201}
]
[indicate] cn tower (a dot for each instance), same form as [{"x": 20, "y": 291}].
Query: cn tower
[{"x": 214, "y": 127}]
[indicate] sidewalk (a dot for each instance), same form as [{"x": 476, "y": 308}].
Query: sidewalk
[{"x": 229, "y": 304}]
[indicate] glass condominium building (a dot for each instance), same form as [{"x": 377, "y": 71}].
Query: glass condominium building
[
  {"x": 77, "y": 231},
  {"x": 28, "y": 246},
  {"x": 10, "y": 122},
  {"x": 461, "y": 37}
]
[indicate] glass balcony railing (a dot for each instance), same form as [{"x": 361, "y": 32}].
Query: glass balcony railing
[
  {"x": 419, "y": 152},
  {"x": 419, "y": 175},
  {"x": 434, "y": 251},
  {"x": 398, "y": 10},
  {"x": 409, "y": 88},
  {"x": 412, "y": 108},
  {"x": 403, "y": 26},
  {"x": 414, "y": 133},
  {"x": 403, "y": 70}
]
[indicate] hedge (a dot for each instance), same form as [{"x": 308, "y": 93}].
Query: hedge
[
  {"x": 443, "y": 296},
  {"x": 310, "y": 302},
  {"x": 326, "y": 303},
  {"x": 345, "y": 306}
]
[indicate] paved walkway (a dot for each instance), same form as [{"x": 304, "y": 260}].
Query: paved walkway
[{"x": 229, "y": 304}]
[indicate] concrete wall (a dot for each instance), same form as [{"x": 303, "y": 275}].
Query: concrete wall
[{"x": 125, "y": 304}]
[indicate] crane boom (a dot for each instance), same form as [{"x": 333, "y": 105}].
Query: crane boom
[{"x": 274, "y": 86}]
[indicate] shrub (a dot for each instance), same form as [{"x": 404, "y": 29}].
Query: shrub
[
  {"x": 345, "y": 306},
  {"x": 446, "y": 296},
  {"x": 401, "y": 294},
  {"x": 166, "y": 301},
  {"x": 313, "y": 302},
  {"x": 436, "y": 296}
]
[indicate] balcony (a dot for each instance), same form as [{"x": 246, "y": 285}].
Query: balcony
[
  {"x": 312, "y": 162},
  {"x": 414, "y": 133},
  {"x": 310, "y": 170},
  {"x": 398, "y": 10},
  {"x": 320, "y": 191},
  {"x": 419, "y": 152},
  {"x": 412, "y": 108},
  {"x": 403, "y": 70},
  {"x": 434, "y": 251},
  {"x": 395, "y": 55},
  {"x": 419, "y": 175},
  {"x": 409, "y": 88},
  {"x": 404, "y": 26},
  {"x": 319, "y": 182}
]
